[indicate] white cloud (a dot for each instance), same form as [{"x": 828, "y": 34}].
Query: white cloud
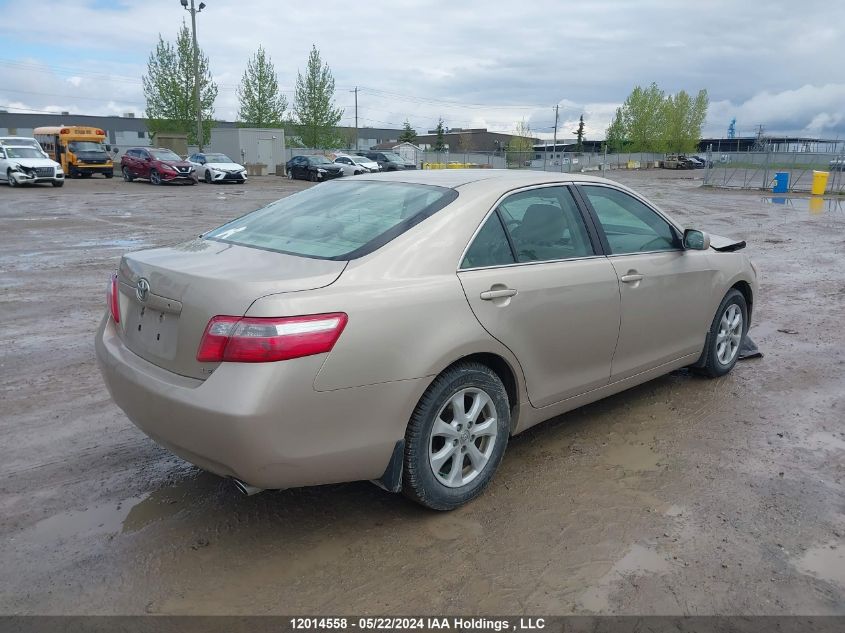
[{"x": 523, "y": 59}]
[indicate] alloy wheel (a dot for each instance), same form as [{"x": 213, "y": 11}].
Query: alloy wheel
[
  {"x": 730, "y": 334},
  {"x": 462, "y": 437}
]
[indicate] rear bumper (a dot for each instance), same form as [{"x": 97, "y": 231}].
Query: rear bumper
[{"x": 262, "y": 423}]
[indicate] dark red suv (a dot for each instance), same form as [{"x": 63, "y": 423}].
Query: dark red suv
[{"x": 158, "y": 165}]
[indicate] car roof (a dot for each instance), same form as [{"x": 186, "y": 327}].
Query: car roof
[{"x": 454, "y": 178}]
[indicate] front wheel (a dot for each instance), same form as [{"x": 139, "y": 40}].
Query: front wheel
[
  {"x": 127, "y": 175},
  {"x": 290, "y": 174},
  {"x": 208, "y": 178},
  {"x": 155, "y": 177},
  {"x": 58, "y": 183},
  {"x": 108, "y": 174},
  {"x": 12, "y": 182},
  {"x": 456, "y": 437},
  {"x": 721, "y": 350}
]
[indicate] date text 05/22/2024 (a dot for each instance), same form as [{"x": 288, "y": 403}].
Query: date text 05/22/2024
[{"x": 417, "y": 624}]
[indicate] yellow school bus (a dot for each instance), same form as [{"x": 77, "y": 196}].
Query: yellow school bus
[{"x": 80, "y": 150}]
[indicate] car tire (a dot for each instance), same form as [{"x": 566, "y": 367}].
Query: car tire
[
  {"x": 208, "y": 177},
  {"x": 109, "y": 174},
  {"x": 290, "y": 174},
  {"x": 12, "y": 182},
  {"x": 127, "y": 175},
  {"x": 155, "y": 178},
  {"x": 724, "y": 339},
  {"x": 438, "y": 434},
  {"x": 58, "y": 183},
  {"x": 312, "y": 176}
]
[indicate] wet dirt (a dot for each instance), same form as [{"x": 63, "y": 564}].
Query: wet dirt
[{"x": 682, "y": 496}]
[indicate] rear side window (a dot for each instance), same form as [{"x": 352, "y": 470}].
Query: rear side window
[
  {"x": 336, "y": 220},
  {"x": 490, "y": 247}
]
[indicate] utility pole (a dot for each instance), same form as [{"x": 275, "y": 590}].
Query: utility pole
[
  {"x": 356, "y": 117},
  {"x": 193, "y": 11},
  {"x": 554, "y": 142}
]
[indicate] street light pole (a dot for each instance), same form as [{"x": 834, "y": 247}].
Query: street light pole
[{"x": 193, "y": 11}]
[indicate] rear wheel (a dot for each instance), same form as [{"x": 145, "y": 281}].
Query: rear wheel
[
  {"x": 155, "y": 177},
  {"x": 108, "y": 174},
  {"x": 724, "y": 339},
  {"x": 456, "y": 437},
  {"x": 127, "y": 175}
]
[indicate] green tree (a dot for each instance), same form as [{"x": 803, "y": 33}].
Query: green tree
[
  {"x": 579, "y": 135},
  {"x": 169, "y": 88},
  {"x": 409, "y": 134},
  {"x": 440, "y": 141},
  {"x": 616, "y": 135},
  {"x": 521, "y": 144},
  {"x": 643, "y": 115},
  {"x": 261, "y": 103},
  {"x": 313, "y": 107}
]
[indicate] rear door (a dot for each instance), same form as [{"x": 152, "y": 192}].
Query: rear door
[
  {"x": 665, "y": 289},
  {"x": 535, "y": 278}
]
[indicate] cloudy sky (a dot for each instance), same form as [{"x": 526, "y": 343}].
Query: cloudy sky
[{"x": 476, "y": 63}]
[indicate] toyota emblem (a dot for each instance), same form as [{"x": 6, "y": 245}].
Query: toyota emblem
[{"x": 142, "y": 290}]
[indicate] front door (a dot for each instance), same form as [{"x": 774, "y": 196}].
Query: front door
[
  {"x": 535, "y": 281},
  {"x": 665, "y": 289}
]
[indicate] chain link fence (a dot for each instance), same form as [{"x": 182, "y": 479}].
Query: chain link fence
[{"x": 759, "y": 170}]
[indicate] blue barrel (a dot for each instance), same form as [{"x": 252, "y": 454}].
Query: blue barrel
[{"x": 781, "y": 184}]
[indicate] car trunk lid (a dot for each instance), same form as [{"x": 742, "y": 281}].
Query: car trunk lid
[{"x": 168, "y": 295}]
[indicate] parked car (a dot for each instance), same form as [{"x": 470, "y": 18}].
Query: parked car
[
  {"x": 314, "y": 168},
  {"x": 703, "y": 160},
  {"x": 313, "y": 349},
  {"x": 697, "y": 163},
  {"x": 212, "y": 167},
  {"x": 837, "y": 164},
  {"x": 677, "y": 161},
  {"x": 158, "y": 165},
  {"x": 22, "y": 141},
  {"x": 348, "y": 167},
  {"x": 27, "y": 165},
  {"x": 360, "y": 164},
  {"x": 389, "y": 161}
]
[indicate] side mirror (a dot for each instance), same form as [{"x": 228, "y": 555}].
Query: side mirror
[
  {"x": 114, "y": 150},
  {"x": 696, "y": 240}
]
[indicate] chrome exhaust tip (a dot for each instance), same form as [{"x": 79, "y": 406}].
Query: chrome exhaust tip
[{"x": 245, "y": 488}]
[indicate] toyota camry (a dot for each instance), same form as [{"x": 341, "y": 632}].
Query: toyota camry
[{"x": 401, "y": 327}]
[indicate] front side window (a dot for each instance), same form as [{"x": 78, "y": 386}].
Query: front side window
[
  {"x": 545, "y": 224},
  {"x": 630, "y": 225},
  {"x": 337, "y": 220}
]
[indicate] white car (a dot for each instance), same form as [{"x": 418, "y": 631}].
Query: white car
[
  {"x": 21, "y": 141},
  {"x": 212, "y": 167},
  {"x": 23, "y": 165},
  {"x": 353, "y": 165}
]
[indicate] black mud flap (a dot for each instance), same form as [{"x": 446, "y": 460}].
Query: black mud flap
[
  {"x": 728, "y": 248},
  {"x": 748, "y": 349},
  {"x": 391, "y": 480}
]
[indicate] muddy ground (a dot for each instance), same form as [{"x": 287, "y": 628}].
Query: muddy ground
[{"x": 682, "y": 496}]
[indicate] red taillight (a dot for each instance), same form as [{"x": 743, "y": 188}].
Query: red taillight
[
  {"x": 114, "y": 298},
  {"x": 262, "y": 340}
]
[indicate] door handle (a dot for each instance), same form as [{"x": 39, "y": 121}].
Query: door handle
[
  {"x": 631, "y": 278},
  {"x": 489, "y": 295}
]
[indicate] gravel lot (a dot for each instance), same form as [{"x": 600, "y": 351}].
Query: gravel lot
[{"x": 682, "y": 496}]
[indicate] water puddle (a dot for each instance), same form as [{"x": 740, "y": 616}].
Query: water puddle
[
  {"x": 132, "y": 242},
  {"x": 824, "y": 561},
  {"x": 124, "y": 517},
  {"x": 638, "y": 561},
  {"x": 812, "y": 204}
]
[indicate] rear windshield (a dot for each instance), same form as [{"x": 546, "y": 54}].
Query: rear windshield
[{"x": 336, "y": 220}]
